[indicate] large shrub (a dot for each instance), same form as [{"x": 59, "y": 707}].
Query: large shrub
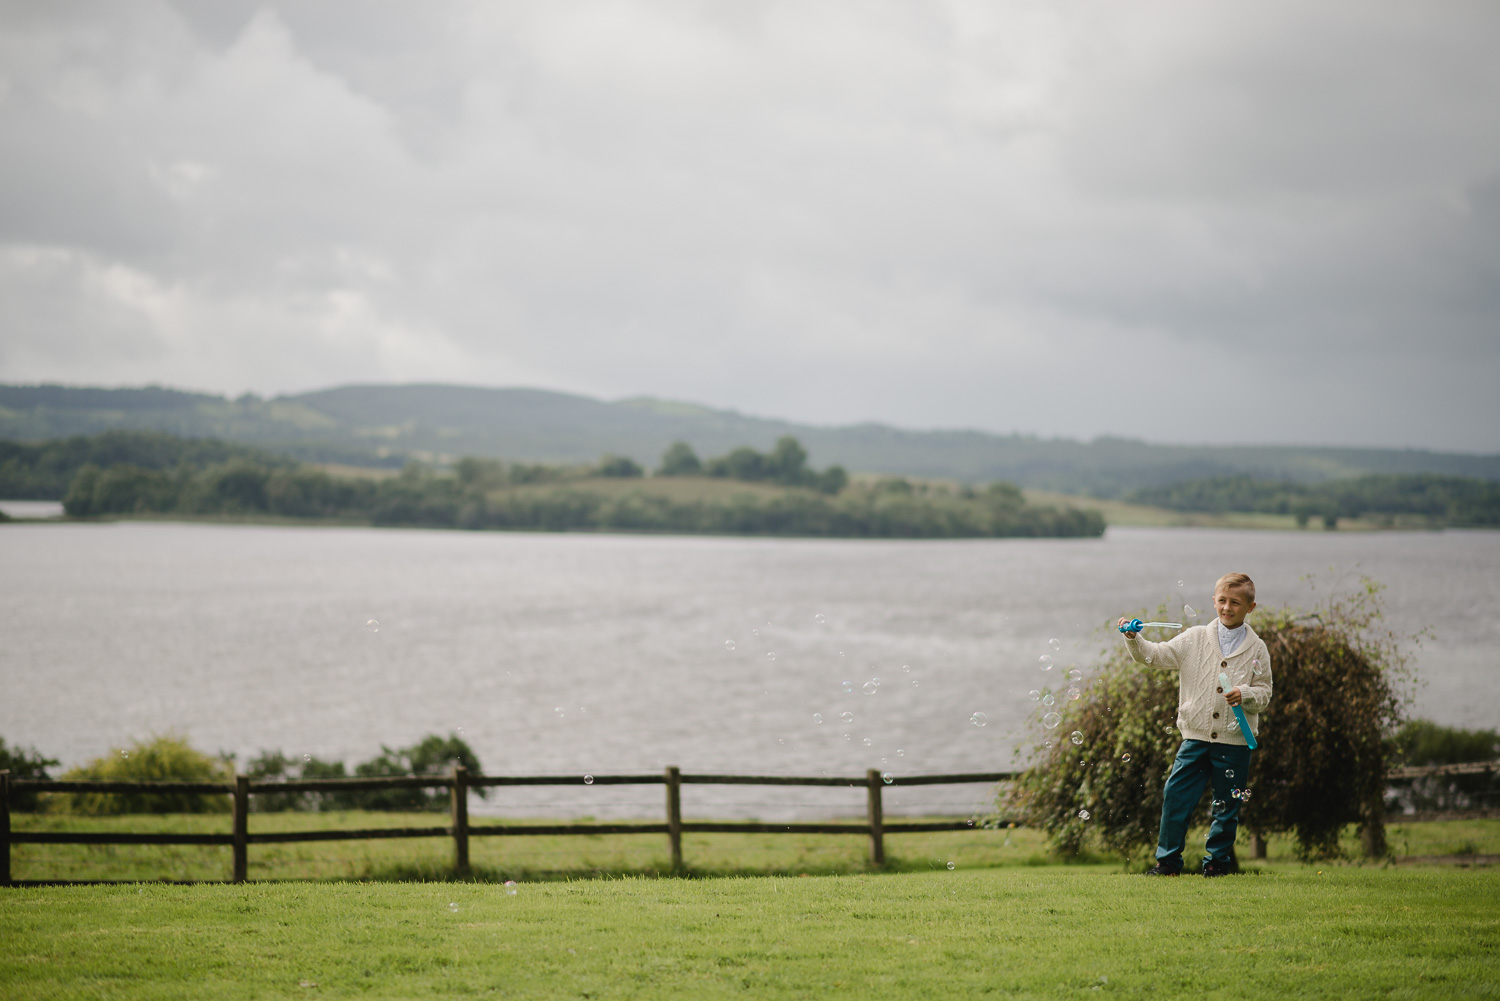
[
  {"x": 24, "y": 763},
  {"x": 432, "y": 755},
  {"x": 1340, "y": 681},
  {"x": 160, "y": 759}
]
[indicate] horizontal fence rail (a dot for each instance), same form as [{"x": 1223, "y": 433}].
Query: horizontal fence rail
[{"x": 459, "y": 782}]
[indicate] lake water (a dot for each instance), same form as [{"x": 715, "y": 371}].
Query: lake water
[{"x": 576, "y": 654}]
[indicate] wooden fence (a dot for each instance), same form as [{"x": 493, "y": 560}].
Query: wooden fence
[{"x": 875, "y": 827}]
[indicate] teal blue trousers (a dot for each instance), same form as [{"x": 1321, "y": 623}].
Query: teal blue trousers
[{"x": 1226, "y": 767}]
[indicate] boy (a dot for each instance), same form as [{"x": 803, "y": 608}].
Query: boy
[{"x": 1213, "y": 748}]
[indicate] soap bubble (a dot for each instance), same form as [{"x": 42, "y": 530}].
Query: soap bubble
[
  {"x": 1234, "y": 725},
  {"x": 875, "y": 680},
  {"x": 588, "y": 780},
  {"x": 887, "y": 777},
  {"x": 847, "y": 686},
  {"x": 848, "y": 736},
  {"x": 841, "y": 653},
  {"x": 914, "y": 682},
  {"x": 1051, "y": 720},
  {"x": 1075, "y": 675},
  {"x": 373, "y": 625},
  {"x": 453, "y": 907},
  {"x": 817, "y": 717},
  {"x": 1125, "y": 756},
  {"x": 1169, "y": 729},
  {"x": 1245, "y": 795},
  {"x": 307, "y": 757},
  {"x": 510, "y": 887},
  {"x": 870, "y": 688},
  {"x": 1179, "y": 583},
  {"x": 867, "y": 742},
  {"x": 124, "y": 754},
  {"x": 754, "y": 632},
  {"x": 1074, "y": 694},
  {"x": 1148, "y": 658},
  {"x": 1034, "y": 695},
  {"x": 1054, "y": 644},
  {"x": 1046, "y": 661},
  {"x": 950, "y": 865},
  {"x": 979, "y": 719},
  {"x": 558, "y": 710},
  {"x": 1048, "y": 744},
  {"x": 1083, "y": 815},
  {"x": 1189, "y": 611},
  {"x": 770, "y": 655},
  {"x": 900, "y": 753},
  {"x": 1047, "y": 699},
  {"x": 1076, "y": 736},
  {"x": 820, "y": 618},
  {"x": 846, "y": 718},
  {"x": 906, "y": 668},
  {"x": 1229, "y": 773},
  {"x": 729, "y": 644}
]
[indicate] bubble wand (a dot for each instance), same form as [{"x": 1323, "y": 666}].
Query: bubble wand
[
  {"x": 1136, "y": 625},
  {"x": 1239, "y": 714}
]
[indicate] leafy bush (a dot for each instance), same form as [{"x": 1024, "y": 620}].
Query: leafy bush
[
  {"x": 160, "y": 759},
  {"x": 1324, "y": 743},
  {"x": 24, "y": 763},
  {"x": 432, "y": 755}
]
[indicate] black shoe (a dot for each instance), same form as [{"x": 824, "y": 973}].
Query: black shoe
[
  {"x": 1159, "y": 870},
  {"x": 1212, "y": 869}
]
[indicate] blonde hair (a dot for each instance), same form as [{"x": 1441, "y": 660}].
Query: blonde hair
[{"x": 1239, "y": 580}]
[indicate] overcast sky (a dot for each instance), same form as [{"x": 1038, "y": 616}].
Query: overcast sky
[{"x": 1185, "y": 222}]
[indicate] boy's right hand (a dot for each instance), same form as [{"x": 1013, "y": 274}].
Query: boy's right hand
[{"x": 1125, "y": 620}]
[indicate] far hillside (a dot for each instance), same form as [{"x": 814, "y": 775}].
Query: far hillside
[{"x": 384, "y": 426}]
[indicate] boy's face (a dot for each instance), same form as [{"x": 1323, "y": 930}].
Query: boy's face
[{"x": 1232, "y": 604}]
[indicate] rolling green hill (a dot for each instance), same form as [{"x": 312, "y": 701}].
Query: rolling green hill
[{"x": 385, "y": 425}]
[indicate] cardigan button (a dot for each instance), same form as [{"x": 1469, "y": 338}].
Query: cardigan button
[
  {"x": 1216, "y": 715},
  {"x": 1214, "y": 735},
  {"x": 1223, "y": 663},
  {"x": 1220, "y": 690}
]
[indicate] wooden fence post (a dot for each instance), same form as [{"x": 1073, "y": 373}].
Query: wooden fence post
[
  {"x": 241, "y": 826},
  {"x": 4, "y": 828},
  {"x": 674, "y": 815},
  {"x": 460, "y": 820},
  {"x": 873, "y": 782}
]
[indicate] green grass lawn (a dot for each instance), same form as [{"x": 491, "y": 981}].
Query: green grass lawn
[
  {"x": 571, "y": 857},
  {"x": 1029, "y": 932}
]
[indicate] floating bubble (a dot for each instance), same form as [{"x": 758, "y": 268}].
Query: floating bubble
[
  {"x": 452, "y": 906},
  {"x": 729, "y": 644},
  {"x": 373, "y": 625},
  {"x": 979, "y": 719},
  {"x": 870, "y": 688},
  {"x": 867, "y": 741},
  {"x": 1148, "y": 658},
  {"x": 1083, "y": 815},
  {"x": 1229, "y": 773},
  {"x": 558, "y": 710},
  {"x": 770, "y": 655},
  {"x": 876, "y": 681},
  {"x": 754, "y": 632},
  {"x": 1051, "y": 720},
  {"x": 1179, "y": 583},
  {"x": 588, "y": 780},
  {"x": 906, "y": 668},
  {"x": 1034, "y": 695},
  {"x": 1076, "y": 736},
  {"x": 817, "y": 717},
  {"x": 820, "y": 618},
  {"x": 510, "y": 887},
  {"x": 307, "y": 757},
  {"x": 1054, "y": 644},
  {"x": 1245, "y": 795},
  {"x": 1125, "y": 756},
  {"x": 1169, "y": 729},
  {"x": 1048, "y": 744},
  {"x": 848, "y": 736},
  {"x": 950, "y": 865},
  {"x": 841, "y": 653},
  {"x": 1233, "y": 726},
  {"x": 1046, "y": 661},
  {"x": 1189, "y": 611},
  {"x": 1047, "y": 699},
  {"x": 900, "y": 753},
  {"x": 124, "y": 754},
  {"x": 846, "y": 718},
  {"x": 914, "y": 682},
  {"x": 847, "y": 686},
  {"x": 1075, "y": 675},
  {"x": 1074, "y": 694}
]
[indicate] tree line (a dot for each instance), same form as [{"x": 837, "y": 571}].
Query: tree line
[
  {"x": 213, "y": 479},
  {"x": 1455, "y": 501}
]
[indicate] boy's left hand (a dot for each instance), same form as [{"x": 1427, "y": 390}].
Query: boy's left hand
[{"x": 1232, "y": 696}]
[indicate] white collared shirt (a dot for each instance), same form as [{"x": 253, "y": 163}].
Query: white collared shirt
[{"x": 1230, "y": 639}]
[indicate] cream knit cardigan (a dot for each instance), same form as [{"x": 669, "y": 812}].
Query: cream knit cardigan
[{"x": 1202, "y": 712}]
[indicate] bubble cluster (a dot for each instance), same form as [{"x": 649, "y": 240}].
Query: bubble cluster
[
  {"x": 1076, "y": 736},
  {"x": 1045, "y": 660},
  {"x": 979, "y": 719},
  {"x": 1051, "y": 720}
]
